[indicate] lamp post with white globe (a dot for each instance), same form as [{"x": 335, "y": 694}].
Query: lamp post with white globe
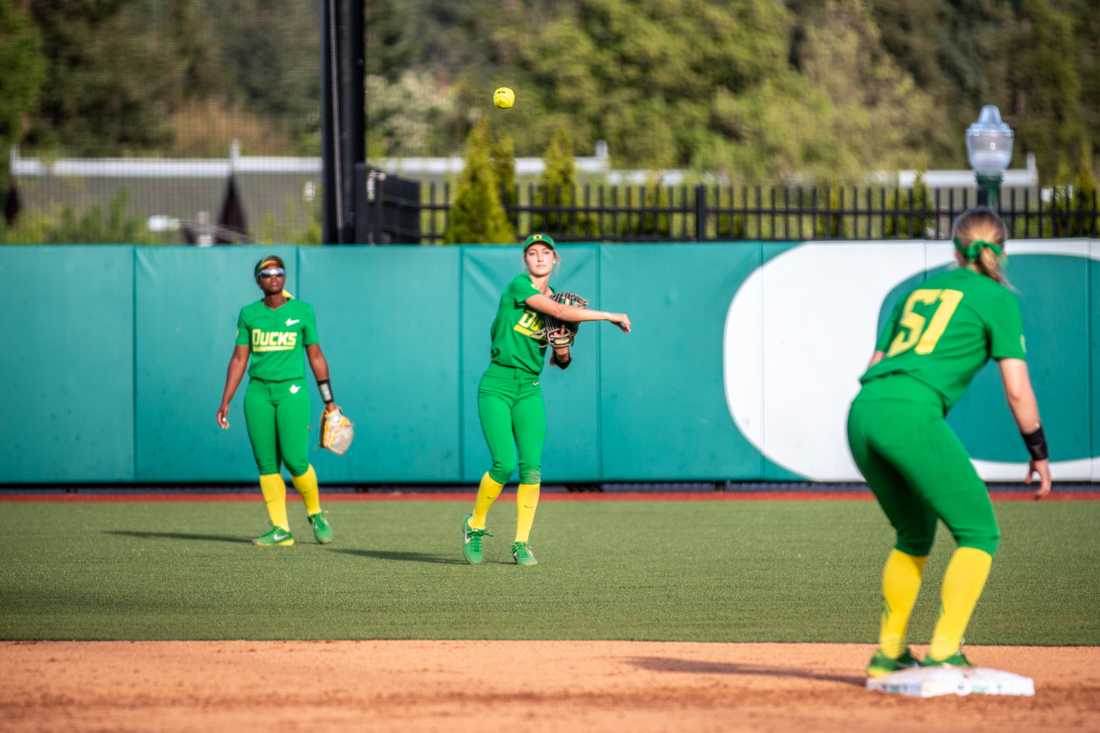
[{"x": 989, "y": 147}]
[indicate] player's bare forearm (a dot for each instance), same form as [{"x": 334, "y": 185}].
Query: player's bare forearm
[
  {"x": 1019, "y": 393},
  {"x": 1025, "y": 410},
  {"x": 569, "y": 313},
  {"x": 234, "y": 373},
  {"x": 573, "y": 314},
  {"x": 875, "y": 359},
  {"x": 317, "y": 362}
]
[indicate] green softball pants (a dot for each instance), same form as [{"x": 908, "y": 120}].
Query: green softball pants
[
  {"x": 917, "y": 467},
  {"x": 277, "y": 416},
  {"x": 509, "y": 403}
]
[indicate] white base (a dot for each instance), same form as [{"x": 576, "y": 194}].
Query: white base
[{"x": 937, "y": 681}]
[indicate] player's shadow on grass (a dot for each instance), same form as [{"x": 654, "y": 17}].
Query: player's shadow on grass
[
  {"x": 403, "y": 556},
  {"x": 691, "y": 666},
  {"x": 178, "y": 536}
]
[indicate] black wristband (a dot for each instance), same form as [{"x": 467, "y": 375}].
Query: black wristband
[
  {"x": 1036, "y": 444},
  {"x": 326, "y": 391}
]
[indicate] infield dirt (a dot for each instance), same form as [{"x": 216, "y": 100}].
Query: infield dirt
[{"x": 512, "y": 685}]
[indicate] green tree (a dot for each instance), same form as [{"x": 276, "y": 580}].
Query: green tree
[
  {"x": 727, "y": 225},
  {"x": 476, "y": 214},
  {"x": 23, "y": 71},
  {"x": 874, "y": 106},
  {"x": 771, "y": 133},
  {"x": 844, "y": 109},
  {"x": 956, "y": 53},
  {"x": 558, "y": 185},
  {"x": 909, "y": 225},
  {"x": 404, "y": 115},
  {"x": 1086, "y": 28},
  {"x": 111, "y": 83},
  {"x": 653, "y": 220},
  {"x": 114, "y": 225},
  {"x": 830, "y": 222},
  {"x": 503, "y": 156},
  {"x": 1039, "y": 60},
  {"x": 1044, "y": 86},
  {"x": 644, "y": 76},
  {"x": 1085, "y": 203},
  {"x": 189, "y": 28},
  {"x": 1073, "y": 210},
  {"x": 270, "y": 50}
]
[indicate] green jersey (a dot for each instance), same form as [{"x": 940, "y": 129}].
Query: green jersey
[
  {"x": 943, "y": 332},
  {"x": 276, "y": 338},
  {"x": 518, "y": 333}
]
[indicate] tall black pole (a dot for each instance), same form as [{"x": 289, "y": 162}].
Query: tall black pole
[
  {"x": 989, "y": 191},
  {"x": 342, "y": 113}
]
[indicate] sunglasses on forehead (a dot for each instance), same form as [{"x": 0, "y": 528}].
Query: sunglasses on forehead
[{"x": 272, "y": 272}]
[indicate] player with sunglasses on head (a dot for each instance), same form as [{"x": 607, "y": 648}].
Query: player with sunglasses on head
[
  {"x": 275, "y": 331},
  {"x": 935, "y": 341}
]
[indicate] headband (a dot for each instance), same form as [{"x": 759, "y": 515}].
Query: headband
[
  {"x": 972, "y": 251},
  {"x": 260, "y": 265}
]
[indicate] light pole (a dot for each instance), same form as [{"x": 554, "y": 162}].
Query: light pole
[{"x": 989, "y": 147}]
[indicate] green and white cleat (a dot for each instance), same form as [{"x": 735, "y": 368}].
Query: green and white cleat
[
  {"x": 522, "y": 554},
  {"x": 957, "y": 660},
  {"x": 274, "y": 537},
  {"x": 882, "y": 665},
  {"x": 471, "y": 542},
  {"x": 322, "y": 530}
]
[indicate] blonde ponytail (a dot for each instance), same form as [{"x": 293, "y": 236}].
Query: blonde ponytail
[
  {"x": 989, "y": 264},
  {"x": 979, "y": 236}
]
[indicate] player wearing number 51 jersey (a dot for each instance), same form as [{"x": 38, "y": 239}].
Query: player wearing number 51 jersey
[{"x": 937, "y": 338}]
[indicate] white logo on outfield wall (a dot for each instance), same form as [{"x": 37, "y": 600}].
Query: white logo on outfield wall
[{"x": 799, "y": 333}]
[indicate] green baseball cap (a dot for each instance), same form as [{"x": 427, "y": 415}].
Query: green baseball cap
[{"x": 538, "y": 238}]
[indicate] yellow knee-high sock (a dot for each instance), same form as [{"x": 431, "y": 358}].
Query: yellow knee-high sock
[
  {"x": 900, "y": 585},
  {"x": 962, "y": 587},
  {"x": 487, "y": 492},
  {"x": 307, "y": 487},
  {"x": 274, "y": 491},
  {"x": 527, "y": 501}
]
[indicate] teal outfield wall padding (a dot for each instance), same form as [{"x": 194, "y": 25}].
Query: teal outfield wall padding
[
  {"x": 1094, "y": 352},
  {"x": 389, "y": 325},
  {"x": 187, "y": 301},
  {"x": 67, "y": 403},
  {"x": 740, "y": 366},
  {"x": 663, "y": 411}
]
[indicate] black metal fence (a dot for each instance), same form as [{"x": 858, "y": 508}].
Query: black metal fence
[{"x": 700, "y": 213}]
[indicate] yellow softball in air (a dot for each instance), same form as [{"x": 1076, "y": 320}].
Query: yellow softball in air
[{"x": 504, "y": 97}]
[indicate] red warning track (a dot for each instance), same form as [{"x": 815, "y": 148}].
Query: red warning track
[{"x": 52, "y": 496}]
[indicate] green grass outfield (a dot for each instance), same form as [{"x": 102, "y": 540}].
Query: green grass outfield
[{"x": 659, "y": 570}]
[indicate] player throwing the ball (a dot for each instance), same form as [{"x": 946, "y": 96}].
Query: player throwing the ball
[
  {"x": 509, "y": 397},
  {"x": 274, "y": 331},
  {"x": 936, "y": 340}
]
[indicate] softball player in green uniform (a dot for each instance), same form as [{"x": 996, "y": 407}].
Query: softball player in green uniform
[
  {"x": 275, "y": 331},
  {"x": 936, "y": 340},
  {"x": 509, "y": 397}
]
